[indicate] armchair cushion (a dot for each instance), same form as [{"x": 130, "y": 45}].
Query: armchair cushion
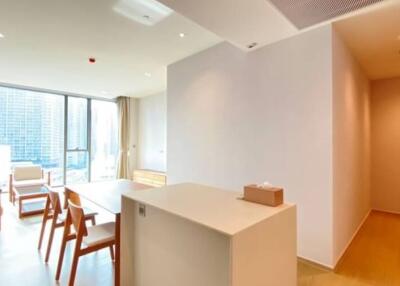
[
  {"x": 27, "y": 173},
  {"x": 26, "y": 183},
  {"x": 100, "y": 233}
]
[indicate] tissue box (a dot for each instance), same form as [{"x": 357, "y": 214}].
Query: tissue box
[{"x": 270, "y": 196}]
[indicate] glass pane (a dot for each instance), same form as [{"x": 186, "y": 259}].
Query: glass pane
[
  {"x": 32, "y": 125},
  {"x": 104, "y": 140},
  {"x": 77, "y": 123},
  {"x": 77, "y": 167}
]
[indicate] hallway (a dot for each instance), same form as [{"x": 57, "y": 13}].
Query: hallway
[{"x": 373, "y": 258}]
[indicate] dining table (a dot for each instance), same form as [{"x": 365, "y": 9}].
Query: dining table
[{"x": 108, "y": 195}]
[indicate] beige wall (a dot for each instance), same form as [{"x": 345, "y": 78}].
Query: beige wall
[
  {"x": 296, "y": 113},
  {"x": 152, "y": 124},
  {"x": 133, "y": 135},
  {"x": 236, "y": 118},
  {"x": 385, "y": 172},
  {"x": 351, "y": 147}
]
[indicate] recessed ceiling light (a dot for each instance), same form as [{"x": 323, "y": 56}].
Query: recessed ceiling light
[
  {"x": 1, "y": 35},
  {"x": 182, "y": 35},
  {"x": 147, "y": 74}
]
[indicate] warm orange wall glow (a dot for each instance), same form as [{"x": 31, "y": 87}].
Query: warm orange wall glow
[
  {"x": 385, "y": 143},
  {"x": 351, "y": 148}
]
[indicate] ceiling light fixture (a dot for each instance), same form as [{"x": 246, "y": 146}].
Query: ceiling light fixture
[
  {"x": 182, "y": 35},
  {"x": 146, "y": 12},
  {"x": 1, "y": 36},
  {"x": 147, "y": 74}
]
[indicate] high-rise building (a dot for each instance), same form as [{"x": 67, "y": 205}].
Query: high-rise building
[{"x": 32, "y": 124}]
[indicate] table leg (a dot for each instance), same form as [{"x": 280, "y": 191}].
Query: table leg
[{"x": 117, "y": 248}]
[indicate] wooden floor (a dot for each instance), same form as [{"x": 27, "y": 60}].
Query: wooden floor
[
  {"x": 372, "y": 259},
  {"x": 22, "y": 264}
]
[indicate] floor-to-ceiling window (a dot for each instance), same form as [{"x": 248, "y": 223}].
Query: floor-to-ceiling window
[
  {"x": 77, "y": 155},
  {"x": 73, "y": 137},
  {"x": 32, "y": 124},
  {"x": 104, "y": 140}
]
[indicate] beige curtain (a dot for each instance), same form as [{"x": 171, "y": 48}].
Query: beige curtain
[{"x": 123, "y": 137}]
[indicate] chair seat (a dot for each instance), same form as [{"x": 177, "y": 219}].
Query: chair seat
[
  {"x": 100, "y": 234},
  {"x": 88, "y": 214},
  {"x": 27, "y": 183}
]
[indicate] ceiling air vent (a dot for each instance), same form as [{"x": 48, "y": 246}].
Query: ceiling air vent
[
  {"x": 306, "y": 13},
  {"x": 146, "y": 12}
]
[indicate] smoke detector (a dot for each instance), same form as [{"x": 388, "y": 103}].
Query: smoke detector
[{"x": 146, "y": 12}]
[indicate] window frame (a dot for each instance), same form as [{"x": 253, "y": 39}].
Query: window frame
[{"x": 67, "y": 95}]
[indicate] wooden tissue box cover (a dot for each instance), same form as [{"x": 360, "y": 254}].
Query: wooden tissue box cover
[{"x": 270, "y": 196}]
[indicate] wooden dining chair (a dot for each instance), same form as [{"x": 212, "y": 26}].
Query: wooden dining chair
[
  {"x": 57, "y": 215},
  {"x": 88, "y": 239}
]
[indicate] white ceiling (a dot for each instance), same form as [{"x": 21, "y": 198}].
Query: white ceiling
[
  {"x": 47, "y": 44},
  {"x": 242, "y": 22},
  {"x": 374, "y": 39}
]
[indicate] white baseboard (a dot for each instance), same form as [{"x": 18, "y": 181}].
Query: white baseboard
[{"x": 351, "y": 239}]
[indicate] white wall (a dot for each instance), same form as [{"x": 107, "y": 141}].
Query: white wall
[
  {"x": 351, "y": 146},
  {"x": 151, "y": 148},
  {"x": 237, "y": 118},
  {"x": 133, "y": 135}
]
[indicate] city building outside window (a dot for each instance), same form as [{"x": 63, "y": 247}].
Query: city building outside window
[{"x": 32, "y": 125}]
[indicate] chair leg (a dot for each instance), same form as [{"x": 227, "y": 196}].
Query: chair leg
[
  {"x": 73, "y": 270},
  {"x": 50, "y": 242},
  {"x": 75, "y": 261},
  {"x": 112, "y": 252},
  {"x": 62, "y": 251},
  {"x": 42, "y": 232},
  {"x": 19, "y": 208},
  {"x": 93, "y": 219},
  {"x": 44, "y": 221}
]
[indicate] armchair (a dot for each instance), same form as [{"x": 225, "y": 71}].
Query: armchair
[{"x": 24, "y": 176}]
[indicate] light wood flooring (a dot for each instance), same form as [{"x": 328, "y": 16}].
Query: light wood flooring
[
  {"x": 22, "y": 264},
  {"x": 372, "y": 259}
]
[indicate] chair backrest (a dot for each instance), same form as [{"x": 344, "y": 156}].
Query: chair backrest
[
  {"x": 54, "y": 200},
  {"x": 77, "y": 218},
  {"x": 74, "y": 198},
  {"x": 71, "y": 196},
  {"x": 22, "y": 173}
]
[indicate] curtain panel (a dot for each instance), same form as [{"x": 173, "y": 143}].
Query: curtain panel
[{"x": 123, "y": 137}]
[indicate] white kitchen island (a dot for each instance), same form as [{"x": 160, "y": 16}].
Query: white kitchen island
[{"x": 193, "y": 235}]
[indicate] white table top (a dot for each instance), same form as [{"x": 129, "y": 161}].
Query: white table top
[{"x": 214, "y": 208}]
